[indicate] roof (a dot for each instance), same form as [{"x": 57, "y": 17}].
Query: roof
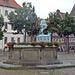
[
  {"x": 40, "y": 19},
  {"x": 60, "y": 14},
  {"x": 9, "y": 3},
  {"x": 73, "y": 11}
]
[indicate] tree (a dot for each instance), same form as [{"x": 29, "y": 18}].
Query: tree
[
  {"x": 64, "y": 26},
  {"x": 67, "y": 27},
  {"x": 23, "y": 18},
  {"x": 1, "y": 25},
  {"x": 53, "y": 24}
]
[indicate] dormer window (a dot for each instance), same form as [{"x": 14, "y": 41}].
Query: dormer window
[{"x": 6, "y": 1}]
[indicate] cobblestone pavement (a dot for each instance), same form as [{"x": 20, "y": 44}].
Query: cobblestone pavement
[
  {"x": 64, "y": 71},
  {"x": 67, "y": 57}
]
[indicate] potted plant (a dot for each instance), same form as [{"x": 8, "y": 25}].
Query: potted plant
[
  {"x": 11, "y": 44},
  {"x": 56, "y": 43},
  {"x": 49, "y": 44},
  {"x": 42, "y": 44},
  {"x": 33, "y": 43}
]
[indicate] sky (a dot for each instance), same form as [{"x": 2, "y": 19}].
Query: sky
[{"x": 44, "y": 7}]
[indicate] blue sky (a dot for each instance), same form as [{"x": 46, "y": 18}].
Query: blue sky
[{"x": 44, "y": 7}]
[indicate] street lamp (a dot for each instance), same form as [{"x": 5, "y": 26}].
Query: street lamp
[{"x": 24, "y": 34}]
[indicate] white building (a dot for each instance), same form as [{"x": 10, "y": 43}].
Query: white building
[{"x": 6, "y": 6}]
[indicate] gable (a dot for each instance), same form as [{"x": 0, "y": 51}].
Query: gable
[{"x": 73, "y": 11}]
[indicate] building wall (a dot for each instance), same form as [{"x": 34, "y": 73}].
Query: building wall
[
  {"x": 64, "y": 41},
  {"x": 9, "y": 34}
]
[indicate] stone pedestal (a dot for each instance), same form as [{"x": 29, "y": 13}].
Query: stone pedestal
[{"x": 29, "y": 55}]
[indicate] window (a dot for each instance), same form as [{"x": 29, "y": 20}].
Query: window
[
  {"x": 6, "y": 26},
  {"x": 44, "y": 38},
  {"x": 5, "y": 40},
  {"x": 40, "y": 38},
  {"x": 70, "y": 39},
  {"x": 6, "y": 12},
  {"x": 12, "y": 39},
  {"x": 53, "y": 39},
  {"x": 47, "y": 38},
  {"x": 62, "y": 40},
  {"x": 57, "y": 40},
  {"x": 18, "y": 39}
]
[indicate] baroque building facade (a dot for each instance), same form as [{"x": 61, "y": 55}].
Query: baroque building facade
[
  {"x": 6, "y": 6},
  {"x": 43, "y": 37}
]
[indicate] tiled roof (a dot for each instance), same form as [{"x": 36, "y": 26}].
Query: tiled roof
[
  {"x": 73, "y": 11},
  {"x": 11, "y": 3}
]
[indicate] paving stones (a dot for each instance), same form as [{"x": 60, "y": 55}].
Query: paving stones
[{"x": 62, "y": 71}]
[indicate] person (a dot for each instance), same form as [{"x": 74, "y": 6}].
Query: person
[
  {"x": 58, "y": 49},
  {"x": 61, "y": 49},
  {"x": 4, "y": 49}
]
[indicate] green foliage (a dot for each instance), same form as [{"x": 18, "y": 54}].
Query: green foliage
[
  {"x": 1, "y": 34},
  {"x": 23, "y": 18},
  {"x": 53, "y": 23},
  {"x": 67, "y": 25},
  {"x": 42, "y": 44},
  {"x": 1, "y": 25},
  {"x": 33, "y": 43},
  {"x": 23, "y": 43},
  {"x": 64, "y": 26},
  {"x": 11, "y": 44},
  {"x": 49, "y": 43}
]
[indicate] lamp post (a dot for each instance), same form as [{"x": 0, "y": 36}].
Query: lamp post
[{"x": 24, "y": 34}]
